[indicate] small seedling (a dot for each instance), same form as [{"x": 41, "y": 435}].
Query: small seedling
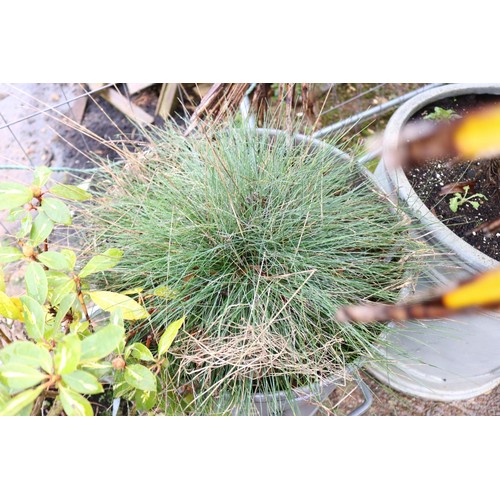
[
  {"x": 441, "y": 114},
  {"x": 460, "y": 199}
]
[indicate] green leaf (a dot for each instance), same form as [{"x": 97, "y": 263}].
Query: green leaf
[
  {"x": 67, "y": 354},
  {"x": 80, "y": 327},
  {"x": 145, "y": 400},
  {"x": 34, "y": 317},
  {"x": 66, "y": 288},
  {"x": 42, "y": 175},
  {"x": 99, "y": 370},
  {"x": 70, "y": 192},
  {"x": 25, "y": 228},
  {"x": 64, "y": 307},
  {"x": 475, "y": 204},
  {"x": 13, "y": 195},
  {"x": 21, "y": 401},
  {"x": 140, "y": 377},
  {"x": 28, "y": 354},
  {"x": 16, "y": 214},
  {"x": 103, "y": 262},
  {"x": 4, "y": 395},
  {"x": 10, "y": 254},
  {"x": 454, "y": 204},
  {"x": 168, "y": 337},
  {"x": 2, "y": 280},
  {"x": 7, "y": 308},
  {"x": 74, "y": 404},
  {"x": 110, "y": 301},
  {"x": 18, "y": 377},
  {"x": 82, "y": 382},
  {"x": 26, "y": 411},
  {"x": 55, "y": 260},
  {"x": 36, "y": 282},
  {"x": 139, "y": 351},
  {"x": 70, "y": 256},
  {"x": 56, "y": 279},
  {"x": 101, "y": 343},
  {"x": 57, "y": 211},
  {"x": 116, "y": 317},
  {"x": 41, "y": 229}
]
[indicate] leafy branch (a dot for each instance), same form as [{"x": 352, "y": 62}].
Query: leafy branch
[{"x": 65, "y": 358}]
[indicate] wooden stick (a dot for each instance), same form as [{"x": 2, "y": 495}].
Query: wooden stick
[
  {"x": 121, "y": 103},
  {"x": 133, "y": 88},
  {"x": 168, "y": 100}
]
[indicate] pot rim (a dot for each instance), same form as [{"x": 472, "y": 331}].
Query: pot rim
[
  {"x": 302, "y": 392},
  {"x": 474, "y": 258}
]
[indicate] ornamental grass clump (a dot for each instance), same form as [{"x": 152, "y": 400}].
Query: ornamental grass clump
[{"x": 256, "y": 241}]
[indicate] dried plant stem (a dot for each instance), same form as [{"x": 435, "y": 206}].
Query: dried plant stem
[
  {"x": 56, "y": 409},
  {"x": 4, "y": 336}
]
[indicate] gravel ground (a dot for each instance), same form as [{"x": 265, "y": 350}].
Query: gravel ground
[
  {"x": 387, "y": 401},
  {"x": 37, "y": 141}
]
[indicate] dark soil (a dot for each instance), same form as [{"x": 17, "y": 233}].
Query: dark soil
[
  {"x": 484, "y": 175},
  {"x": 109, "y": 124}
]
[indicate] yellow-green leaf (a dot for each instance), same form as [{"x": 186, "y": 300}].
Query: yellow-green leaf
[
  {"x": 17, "y": 404},
  {"x": 16, "y": 214},
  {"x": 140, "y": 377},
  {"x": 82, "y": 382},
  {"x": 26, "y": 223},
  {"x": 67, "y": 354},
  {"x": 18, "y": 377},
  {"x": 28, "y": 354},
  {"x": 2, "y": 280},
  {"x": 165, "y": 292},
  {"x": 36, "y": 282},
  {"x": 116, "y": 317},
  {"x": 101, "y": 343},
  {"x": 10, "y": 254},
  {"x": 139, "y": 351},
  {"x": 55, "y": 260},
  {"x": 70, "y": 192},
  {"x": 64, "y": 306},
  {"x": 41, "y": 229},
  {"x": 70, "y": 256},
  {"x": 57, "y": 211},
  {"x": 109, "y": 301},
  {"x": 4, "y": 395},
  {"x": 65, "y": 288},
  {"x": 168, "y": 337},
  {"x": 34, "y": 317},
  {"x": 74, "y": 404},
  {"x": 7, "y": 307},
  {"x": 42, "y": 175},
  {"x": 145, "y": 400},
  {"x": 99, "y": 370},
  {"x": 103, "y": 262},
  {"x": 13, "y": 195}
]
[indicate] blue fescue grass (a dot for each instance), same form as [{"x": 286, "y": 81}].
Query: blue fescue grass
[{"x": 258, "y": 242}]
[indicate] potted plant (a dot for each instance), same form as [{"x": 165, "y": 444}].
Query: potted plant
[
  {"x": 453, "y": 207},
  {"x": 255, "y": 238}
]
